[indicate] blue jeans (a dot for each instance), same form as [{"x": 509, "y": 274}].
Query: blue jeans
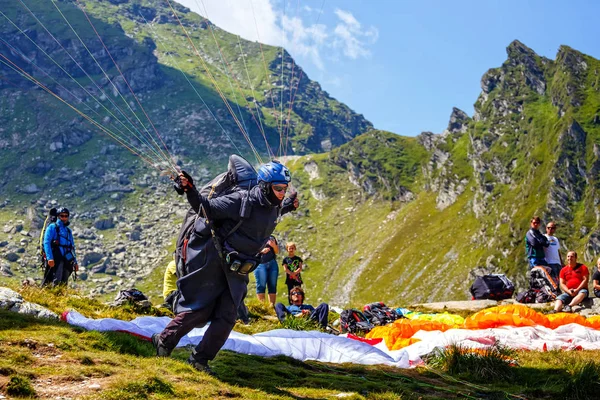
[
  {"x": 266, "y": 277},
  {"x": 534, "y": 261}
]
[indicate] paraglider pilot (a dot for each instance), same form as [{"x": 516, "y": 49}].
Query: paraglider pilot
[
  {"x": 216, "y": 281},
  {"x": 59, "y": 248}
]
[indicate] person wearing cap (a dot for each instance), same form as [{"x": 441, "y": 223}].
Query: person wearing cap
[
  {"x": 216, "y": 283},
  {"x": 59, "y": 247}
]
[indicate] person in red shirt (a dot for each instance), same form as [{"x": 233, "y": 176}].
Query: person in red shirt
[{"x": 574, "y": 278}]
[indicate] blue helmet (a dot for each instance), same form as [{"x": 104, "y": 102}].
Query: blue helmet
[{"x": 274, "y": 172}]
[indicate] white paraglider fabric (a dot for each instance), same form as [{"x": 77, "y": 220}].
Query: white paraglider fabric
[
  {"x": 301, "y": 345},
  {"x": 319, "y": 346}
]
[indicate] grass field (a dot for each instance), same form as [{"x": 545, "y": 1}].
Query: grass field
[{"x": 50, "y": 359}]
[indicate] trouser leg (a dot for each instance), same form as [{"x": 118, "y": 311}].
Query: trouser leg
[
  {"x": 48, "y": 275},
  {"x": 221, "y": 325},
  {"x": 182, "y": 324},
  {"x": 281, "y": 311},
  {"x": 321, "y": 314},
  {"x": 59, "y": 272}
]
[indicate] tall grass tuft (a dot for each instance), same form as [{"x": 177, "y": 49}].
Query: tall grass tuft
[
  {"x": 584, "y": 382},
  {"x": 482, "y": 365},
  {"x": 20, "y": 386}
]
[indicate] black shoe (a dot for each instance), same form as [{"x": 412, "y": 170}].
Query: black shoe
[
  {"x": 161, "y": 349},
  {"x": 201, "y": 366}
]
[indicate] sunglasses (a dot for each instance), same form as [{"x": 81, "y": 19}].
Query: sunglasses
[
  {"x": 63, "y": 216},
  {"x": 279, "y": 188},
  {"x": 550, "y": 227},
  {"x": 296, "y": 293}
]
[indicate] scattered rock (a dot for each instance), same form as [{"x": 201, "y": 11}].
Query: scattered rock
[
  {"x": 30, "y": 189},
  {"x": 103, "y": 224},
  {"x": 12, "y": 257},
  {"x": 13, "y": 301}
]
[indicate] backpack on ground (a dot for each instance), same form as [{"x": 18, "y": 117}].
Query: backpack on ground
[
  {"x": 240, "y": 175},
  {"x": 492, "y": 287},
  {"x": 51, "y": 218},
  {"x": 526, "y": 297},
  {"x": 540, "y": 277},
  {"x": 354, "y": 321},
  {"x": 133, "y": 296},
  {"x": 379, "y": 314}
]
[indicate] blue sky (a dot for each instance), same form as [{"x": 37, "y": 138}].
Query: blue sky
[{"x": 401, "y": 64}]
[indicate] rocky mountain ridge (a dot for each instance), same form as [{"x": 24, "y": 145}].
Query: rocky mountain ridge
[{"x": 464, "y": 206}]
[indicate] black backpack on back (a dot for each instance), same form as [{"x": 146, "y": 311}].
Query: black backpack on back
[
  {"x": 380, "y": 314},
  {"x": 354, "y": 321},
  {"x": 493, "y": 287},
  {"x": 240, "y": 175}
]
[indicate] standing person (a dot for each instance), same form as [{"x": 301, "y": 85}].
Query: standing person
[
  {"x": 267, "y": 272},
  {"x": 552, "y": 252},
  {"x": 216, "y": 283},
  {"x": 535, "y": 243},
  {"x": 292, "y": 265},
  {"x": 574, "y": 278},
  {"x": 59, "y": 247}
]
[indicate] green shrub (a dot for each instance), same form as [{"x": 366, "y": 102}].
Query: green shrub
[{"x": 20, "y": 386}]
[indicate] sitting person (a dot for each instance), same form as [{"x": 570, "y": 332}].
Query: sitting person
[
  {"x": 596, "y": 280},
  {"x": 299, "y": 309},
  {"x": 574, "y": 279}
]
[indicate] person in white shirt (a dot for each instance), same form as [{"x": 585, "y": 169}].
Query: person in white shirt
[{"x": 552, "y": 252}]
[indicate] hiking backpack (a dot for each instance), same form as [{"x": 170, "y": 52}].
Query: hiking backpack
[
  {"x": 379, "y": 314},
  {"x": 51, "y": 218},
  {"x": 540, "y": 277},
  {"x": 493, "y": 287},
  {"x": 240, "y": 175},
  {"x": 354, "y": 321}
]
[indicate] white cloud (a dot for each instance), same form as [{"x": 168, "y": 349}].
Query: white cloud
[
  {"x": 298, "y": 30},
  {"x": 351, "y": 37}
]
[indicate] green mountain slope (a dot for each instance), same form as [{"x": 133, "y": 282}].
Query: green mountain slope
[
  {"x": 50, "y": 154},
  {"x": 409, "y": 220}
]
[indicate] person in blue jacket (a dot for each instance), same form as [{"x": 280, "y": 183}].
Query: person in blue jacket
[
  {"x": 59, "y": 248},
  {"x": 216, "y": 281}
]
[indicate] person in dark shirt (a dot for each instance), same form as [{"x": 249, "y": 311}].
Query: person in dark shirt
[
  {"x": 267, "y": 272},
  {"x": 535, "y": 242},
  {"x": 292, "y": 264},
  {"x": 596, "y": 279},
  {"x": 297, "y": 308}
]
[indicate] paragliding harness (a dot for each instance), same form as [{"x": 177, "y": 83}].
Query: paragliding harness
[
  {"x": 240, "y": 175},
  {"x": 354, "y": 321},
  {"x": 380, "y": 314},
  {"x": 542, "y": 287},
  {"x": 51, "y": 219}
]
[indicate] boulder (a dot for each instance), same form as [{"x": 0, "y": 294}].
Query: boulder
[
  {"x": 12, "y": 257},
  {"x": 91, "y": 257},
  {"x": 30, "y": 189},
  {"x": 104, "y": 223},
  {"x": 13, "y": 301}
]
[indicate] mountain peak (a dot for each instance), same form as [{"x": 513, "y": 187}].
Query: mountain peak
[{"x": 518, "y": 51}]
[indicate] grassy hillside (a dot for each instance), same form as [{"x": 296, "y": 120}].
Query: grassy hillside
[{"x": 405, "y": 220}]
